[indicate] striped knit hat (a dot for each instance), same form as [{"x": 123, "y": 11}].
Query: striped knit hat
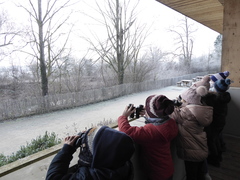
[
  {"x": 158, "y": 106},
  {"x": 221, "y": 75}
]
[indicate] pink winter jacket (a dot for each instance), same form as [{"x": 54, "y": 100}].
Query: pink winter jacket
[
  {"x": 192, "y": 140},
  {"x": 155, "y": 145}
]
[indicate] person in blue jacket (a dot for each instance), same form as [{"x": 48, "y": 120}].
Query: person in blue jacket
[{"x": 105, "y": 154}]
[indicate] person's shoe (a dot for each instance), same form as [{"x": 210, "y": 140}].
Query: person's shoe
[{"x": 207, "y": 176}]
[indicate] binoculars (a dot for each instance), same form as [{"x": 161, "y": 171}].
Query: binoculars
[
  {"x": 136, "y": 114},
  {"x": 80, "y": 140}
]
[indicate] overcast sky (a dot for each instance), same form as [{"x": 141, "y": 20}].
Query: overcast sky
[{"x": 152, "y": 13}]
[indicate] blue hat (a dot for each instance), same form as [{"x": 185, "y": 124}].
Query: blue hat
[
  {"x": 222, "y": 85},
  {"x": 221, "y": 75}
]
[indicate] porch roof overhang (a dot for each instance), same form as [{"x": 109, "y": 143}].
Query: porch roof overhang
[{"x": 206, "y": 12}]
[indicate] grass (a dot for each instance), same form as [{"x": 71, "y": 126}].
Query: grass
[{"x": 36, "y": 145}]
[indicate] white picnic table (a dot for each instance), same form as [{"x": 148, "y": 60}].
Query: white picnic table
[{"x": 185, "y": 83}]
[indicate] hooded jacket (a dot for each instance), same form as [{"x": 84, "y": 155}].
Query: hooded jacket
[
  {"x": 154, "y": 140},
  {"x": 219, "y": 101},
  {"x": 112, "y": 151},
  {"x": 192, "y": 140}
]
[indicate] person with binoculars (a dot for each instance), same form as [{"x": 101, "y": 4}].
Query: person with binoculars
[
  {"x": 154, "y": 137},
  {"x": 105, "y": 154}
]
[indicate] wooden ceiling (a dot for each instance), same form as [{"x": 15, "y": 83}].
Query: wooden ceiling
[{"x": 206, "y": 12}]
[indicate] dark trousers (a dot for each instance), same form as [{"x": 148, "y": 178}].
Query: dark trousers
[
  {"x": 195, "y": 170},
  {"x": 214, "y": 145}
]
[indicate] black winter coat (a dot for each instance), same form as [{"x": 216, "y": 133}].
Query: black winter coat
[
  {"x": 219, "y": 102},
  {"x": 112, "y": 151}
]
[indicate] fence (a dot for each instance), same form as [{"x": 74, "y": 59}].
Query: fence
[{"x": 37, "y": 105}]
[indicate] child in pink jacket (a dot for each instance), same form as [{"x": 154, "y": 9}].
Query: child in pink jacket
[{"x": 191, "y": 119}]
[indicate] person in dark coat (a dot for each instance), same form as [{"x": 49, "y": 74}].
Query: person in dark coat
[
  {"x": 219, "y": 100},
  {"x": 105, "y": 154}
]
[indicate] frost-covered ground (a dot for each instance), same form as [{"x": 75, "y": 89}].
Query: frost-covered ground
[{"x": 17, "y": 132}]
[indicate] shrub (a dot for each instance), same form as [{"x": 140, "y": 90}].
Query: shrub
[{"x": 36, "y": 145}]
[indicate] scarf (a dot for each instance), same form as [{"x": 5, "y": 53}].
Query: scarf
[{"x": 156, "y": 121}]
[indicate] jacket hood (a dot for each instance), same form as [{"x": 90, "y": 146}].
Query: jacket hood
[
  {"x": 203, "y": 114},
  {"x": 111, "y": 148},
  {"x": 215, "y": 98}
]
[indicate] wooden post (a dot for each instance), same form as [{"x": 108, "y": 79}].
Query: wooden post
[{"x": 231, "y": 40}]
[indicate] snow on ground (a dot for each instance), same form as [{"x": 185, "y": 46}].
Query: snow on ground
[{"x": 15, "y": 133}]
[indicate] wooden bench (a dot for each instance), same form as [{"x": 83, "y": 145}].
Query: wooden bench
[
  {"x": 199, "y": 78},
  {"x": 187, "y": 83},
  {"x": 179, "y": 83},
  {"x": 184, "y": 83}
]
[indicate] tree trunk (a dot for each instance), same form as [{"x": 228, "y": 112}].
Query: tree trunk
[
  {"x": 119, "y": 34},
  {"x": 41, "y": 49}
]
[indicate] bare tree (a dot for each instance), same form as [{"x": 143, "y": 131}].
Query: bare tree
[
  {"x": 184, "y": 41},
  {"x": 215, "y": 56},
  {"x": 124, "y": 37},
  {"x": 139, "y": 70},
  {"x": 218, "y": 48},
  {"x": 155, "y": 64},
  {"x": 8, "y": 33},
  {"x": 47, "y": 21},
  {"x": 218, "y": 45}
]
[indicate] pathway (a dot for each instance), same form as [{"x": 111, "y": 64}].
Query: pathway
[{"x": 15, "y": 133}]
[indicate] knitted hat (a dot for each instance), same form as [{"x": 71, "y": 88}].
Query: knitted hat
[
  {"x": 196, "y": 91},
  {"x": 221, "y": 75},
  {"x": 158, "y": 106},
  {"x": 222, "y": 85},
  {"x": 204, "y": 82},
  {"x": 193, "y": 95}
]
